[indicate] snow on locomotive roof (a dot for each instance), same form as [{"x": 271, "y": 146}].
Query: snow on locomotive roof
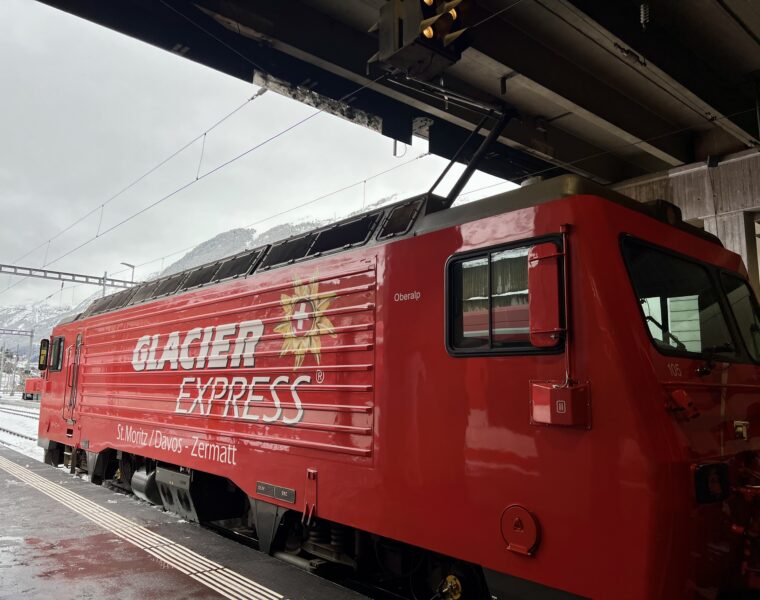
[{"x": 395, "y": 220}]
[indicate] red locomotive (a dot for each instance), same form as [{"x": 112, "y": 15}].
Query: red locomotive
[{"x": 549, "y": 393}]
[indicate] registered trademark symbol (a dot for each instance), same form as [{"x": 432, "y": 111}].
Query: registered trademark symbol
[{"x": 320, "y": 376}]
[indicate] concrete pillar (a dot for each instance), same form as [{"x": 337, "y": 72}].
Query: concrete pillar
[
  {"x": 722, "y": 194},
  {"x": 737, "y": 232}
]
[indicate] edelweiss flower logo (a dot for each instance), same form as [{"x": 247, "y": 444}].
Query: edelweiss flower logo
[{"x": 304, "y": 322}]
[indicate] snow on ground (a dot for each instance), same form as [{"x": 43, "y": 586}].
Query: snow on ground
[
  {"x": 23, "y": 424},
  {"x": 19, "y": 423}
]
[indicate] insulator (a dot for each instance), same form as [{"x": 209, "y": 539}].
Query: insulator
[{"x": 644, "y": 15}]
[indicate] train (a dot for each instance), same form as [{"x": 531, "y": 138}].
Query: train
[
  {"x": 548, "y": 393},
  {"x": 32, "y": 388}
]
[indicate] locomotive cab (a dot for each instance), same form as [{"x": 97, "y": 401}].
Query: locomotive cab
[{"x": 703, "y": 327}]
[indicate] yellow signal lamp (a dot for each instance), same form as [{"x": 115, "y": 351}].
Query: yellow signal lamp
[
  {"x": 439, "y": 25},
  {"x": 448, "y": 7},
  {"x": 427, "y": 26}
]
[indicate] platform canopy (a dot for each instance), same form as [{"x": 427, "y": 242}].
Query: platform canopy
[{"x": 609, "y": 90}]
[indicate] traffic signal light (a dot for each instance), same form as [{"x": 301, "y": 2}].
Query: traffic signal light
[
  {"x": 442, "y": 24},
  {"x": 421, "y": 38}
]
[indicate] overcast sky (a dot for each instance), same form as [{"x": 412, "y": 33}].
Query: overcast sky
[{"x": 85, "y": 111}]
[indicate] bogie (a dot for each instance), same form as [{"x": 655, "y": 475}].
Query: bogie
[{"x": 355, "y": 558}]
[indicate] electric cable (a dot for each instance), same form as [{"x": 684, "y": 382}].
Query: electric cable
[
  {"x": 495, "y": 14},
  {"x": 289, "y": 210},
  {"x": 245, "y": 153},
  {"x": 262, "y": 220},
  {"x": 521, "y": 178},
  {"x": 133, "y": 183},
  {"x": 144, "y": 175},
  {"x": 217, "y": 38},
  {"x": 201, "y": 136},
  {"x": 216, "y": 169}
]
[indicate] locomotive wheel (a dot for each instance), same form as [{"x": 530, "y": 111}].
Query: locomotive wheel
[
  {"x": 451, "y": 588},
  {"x": 125, "y": 471},
  {"x": 462, "y": 582},
  {"x": 447, "y": 580}
]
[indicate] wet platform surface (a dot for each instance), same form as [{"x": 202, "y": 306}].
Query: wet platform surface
[{"x": 62, "y": 537}]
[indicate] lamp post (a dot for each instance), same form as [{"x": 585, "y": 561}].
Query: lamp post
[{"x": 132, "y": 278}]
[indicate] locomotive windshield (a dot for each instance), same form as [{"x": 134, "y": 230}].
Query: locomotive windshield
[
  {"x": 685, "y": 309},
  {"x": 744, "y": 307}
]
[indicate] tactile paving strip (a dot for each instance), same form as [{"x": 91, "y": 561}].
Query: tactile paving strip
[{"x": 214, "y": 576}]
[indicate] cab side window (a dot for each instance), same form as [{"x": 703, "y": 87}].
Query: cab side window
[
  {"x": 56, "y": 354},
  {"x": 488, "y": 302}
]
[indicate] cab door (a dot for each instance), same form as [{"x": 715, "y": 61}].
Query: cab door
[{"x": 72, "y": 378}]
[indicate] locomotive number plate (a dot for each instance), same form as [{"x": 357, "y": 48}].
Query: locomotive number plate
[{"x": 276, "y": 491}]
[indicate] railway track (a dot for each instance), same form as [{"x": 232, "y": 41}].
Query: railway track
[
  {"x": 28, "y": 409},
  {"x": 19, "y": 409},
  {"x": 19, "y": 413},
  {"x": 17, "y": 434}
]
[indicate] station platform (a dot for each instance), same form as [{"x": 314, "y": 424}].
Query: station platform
[{"x": 62, "y": 537}]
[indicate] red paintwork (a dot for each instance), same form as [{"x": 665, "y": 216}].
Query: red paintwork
[
  {"x": 33, "y": 385},
  {"x": 414, "y": 444}
]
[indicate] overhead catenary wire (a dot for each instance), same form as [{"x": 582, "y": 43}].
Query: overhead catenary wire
[
  {"x": 144, "y": 175},
  {"x": 521, "y": 178},
  {"x": 100, "y": 207},
  {"x": 362, "y": 182},
  {"x": 187, "y": 185},
  {"x": 197, "y": 25},
  {"x": 712, "y": 119},
  {"x": 495, "y": 14},
  {"x": 292, "y": 208},
  {"x": 203, "y": 135},
  {"x": 212, "y": 171},
  {"x": 234, "y": 159}
]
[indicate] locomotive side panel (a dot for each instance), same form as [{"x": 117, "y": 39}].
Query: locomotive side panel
[
  {"x": 282, "y": 363},
  {"x": 458, "y": 443},
  {"x": 459, "y": 446}
]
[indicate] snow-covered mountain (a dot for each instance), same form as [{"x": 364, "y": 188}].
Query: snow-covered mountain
[
  {"x": 234, "y": 241},
  {"x": 40, "y": 318}
]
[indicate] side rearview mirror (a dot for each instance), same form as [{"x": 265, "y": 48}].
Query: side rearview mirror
[
  {"x": 43, "y": 359},
  {"x": 544, "y": 295}
]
